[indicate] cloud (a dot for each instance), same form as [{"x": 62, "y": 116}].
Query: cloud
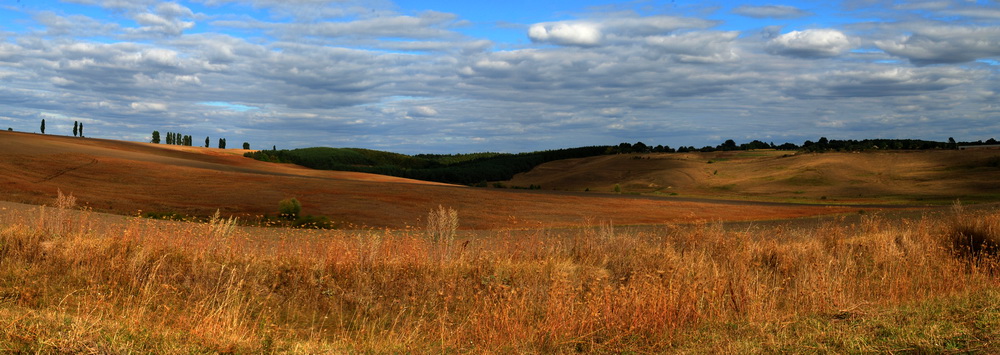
[
  {"x": 946, "y": 45},
  {"x": 636, "y": 26},
  {"x": 818, "y": 43},
  {"x": 429, "y": 24},
  {"x": 364, "y": 72},
  {"x": 148, "y": 106},
  {"x": 566, "y": 33},
  {"x": 698, "y": 47},
  {"x": 771, "y": 11},
  {"x": 423, "y": 111},
  {"x": 880, "y": 82}
]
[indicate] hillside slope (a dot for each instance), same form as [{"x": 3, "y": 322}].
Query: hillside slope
[
  {"x": 912, "y": 177},
  {"x": 126, "y": 177}
]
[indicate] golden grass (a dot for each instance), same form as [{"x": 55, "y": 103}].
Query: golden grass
[{"x": 69, "y": 283}]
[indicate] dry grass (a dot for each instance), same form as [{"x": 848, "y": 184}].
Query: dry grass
[{"x": 168, "y": 287}]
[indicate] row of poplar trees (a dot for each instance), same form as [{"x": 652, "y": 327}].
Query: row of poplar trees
[{"x": 186, "y": 140}]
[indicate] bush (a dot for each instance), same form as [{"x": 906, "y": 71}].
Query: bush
[{"x": 289, "y": 208}]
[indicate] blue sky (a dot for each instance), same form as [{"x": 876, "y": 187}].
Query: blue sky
[{"x": 459, "y": 76}]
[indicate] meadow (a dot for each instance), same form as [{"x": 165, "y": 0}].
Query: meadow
[{"x": 82, "y": 282}]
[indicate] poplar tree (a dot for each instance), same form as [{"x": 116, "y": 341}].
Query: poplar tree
[
  {"x": 75, "y": 124},
  {"x": 43, "y": 126}
]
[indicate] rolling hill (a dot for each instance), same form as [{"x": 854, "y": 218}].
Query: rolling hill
[
  {"x": 128, "y": 177},
  {"x": 911, "y": 177}
]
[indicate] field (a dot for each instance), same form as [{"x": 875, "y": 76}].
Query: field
[
  {"x": 125, "y": 177},
  {"x": 424, "y": 268},
  {"x": 897, "y": 177}
]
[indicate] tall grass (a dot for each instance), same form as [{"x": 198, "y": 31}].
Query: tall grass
[{"x": 167, "y": 287}]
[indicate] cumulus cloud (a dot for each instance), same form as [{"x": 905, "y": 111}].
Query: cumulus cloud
[
  {"x": 946, "y": 45},
  {"x": 771, "y": 11},
  {"x": 566, "y": 33},
  {"x": 818, "y": 43}
]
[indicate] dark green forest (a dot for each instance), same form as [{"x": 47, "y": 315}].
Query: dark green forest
[{"x": 466, "y": 169}]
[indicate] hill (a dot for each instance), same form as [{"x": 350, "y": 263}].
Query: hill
[
  {"x": 128, "y": 177},
  {"x": 903, "y": 177}
]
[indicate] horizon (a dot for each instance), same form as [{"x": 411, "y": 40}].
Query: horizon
[{"x": 440, "y": 77}]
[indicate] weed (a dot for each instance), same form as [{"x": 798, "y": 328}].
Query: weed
[{"x": 973, "y": 236}]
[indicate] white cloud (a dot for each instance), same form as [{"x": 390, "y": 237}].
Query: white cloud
[
  {"x": 816, "y": 43},
  {"x": 566, "y": 33},
  {"x": 148, "y": 106}
]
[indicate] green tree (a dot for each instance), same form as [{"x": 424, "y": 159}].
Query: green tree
[
  {"x": 222, "y": 143},
  {"x": 156, "y": 137},
  {"x": 206, "y": 142},
  {"x": 618, "y": 188},
  {"x": 81, "y": 129},
  {"x": 246, "y": 145},
  {"x": 43, "y": 126},
  {"x": 289, "y": 208},
  {"x": 75, "y": 129}
]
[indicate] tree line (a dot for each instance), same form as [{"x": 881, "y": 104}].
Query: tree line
[
  {"x": 821, "y": 145},
  {"x": 186, "y": 140}
]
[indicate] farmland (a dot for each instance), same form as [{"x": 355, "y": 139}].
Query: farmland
[{"x": 560, "y": 270}]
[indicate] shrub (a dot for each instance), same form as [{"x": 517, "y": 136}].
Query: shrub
[{"x": 289, "y": 208}]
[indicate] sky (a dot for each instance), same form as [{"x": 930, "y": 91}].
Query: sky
[{"x": 465, "y": 76}]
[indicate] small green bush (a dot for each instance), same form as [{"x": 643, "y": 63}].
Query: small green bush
[{"x": 289, "y": 208}]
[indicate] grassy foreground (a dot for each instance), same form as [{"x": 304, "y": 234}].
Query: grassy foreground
[{"x": 71, "y": 282}]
